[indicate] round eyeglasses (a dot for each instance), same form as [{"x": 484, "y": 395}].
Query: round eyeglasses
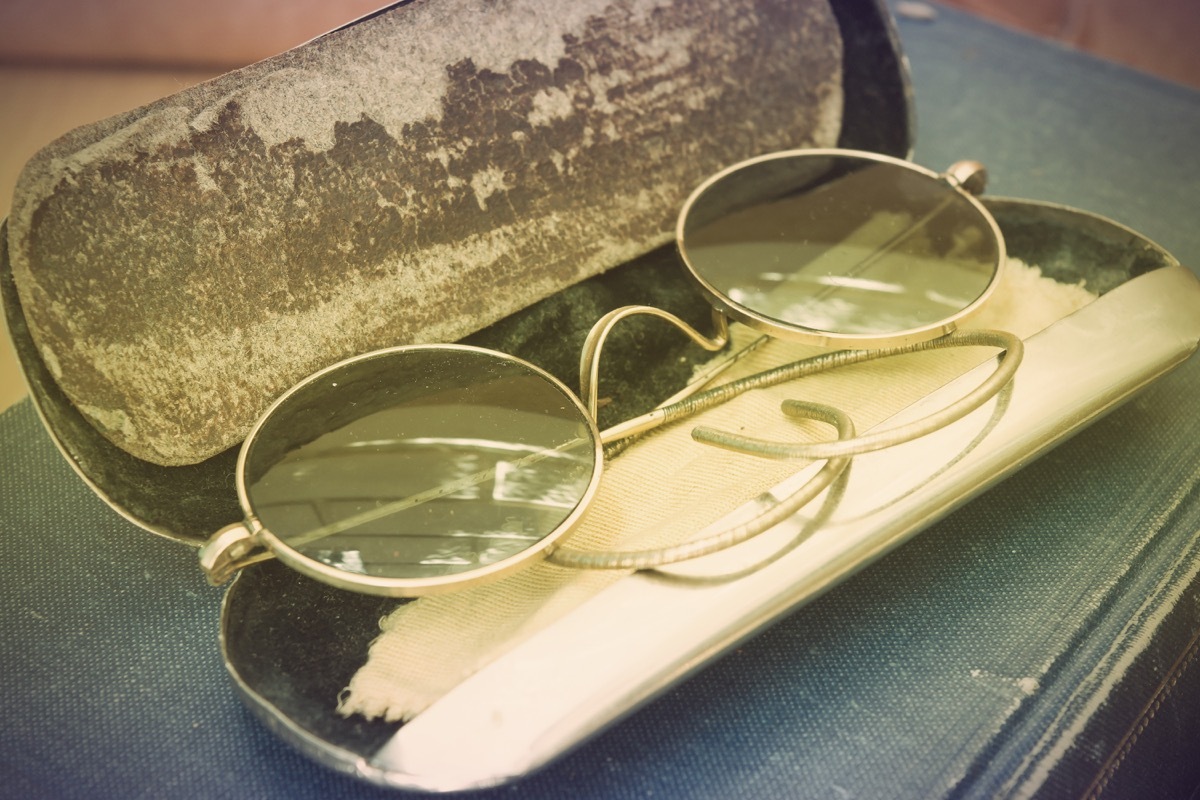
[{"x": 424, "y": 468}]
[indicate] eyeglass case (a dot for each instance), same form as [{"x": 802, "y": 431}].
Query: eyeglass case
[
  {"x": 270, "y": 661},
  {"x": 645, "y": 633}
]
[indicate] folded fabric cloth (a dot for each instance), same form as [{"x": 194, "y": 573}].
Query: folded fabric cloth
[{"x": 663, "y": 490}]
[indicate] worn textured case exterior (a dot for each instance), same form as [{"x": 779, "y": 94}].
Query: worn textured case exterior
[
  {"x": 410, "y": 178},
  {"x": 190, "y": 501}
]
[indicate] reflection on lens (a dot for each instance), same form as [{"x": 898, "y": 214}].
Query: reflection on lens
[
  {"x": 421, "y": 462},
  {"x": 838, "y": 244}
]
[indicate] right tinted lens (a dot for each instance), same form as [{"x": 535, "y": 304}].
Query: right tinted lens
[
  {"x": 418, "y": 463},
  {"x": 839, "y": 244}
]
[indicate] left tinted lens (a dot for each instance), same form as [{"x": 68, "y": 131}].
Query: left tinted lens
[{"x": 420, "y": 463}]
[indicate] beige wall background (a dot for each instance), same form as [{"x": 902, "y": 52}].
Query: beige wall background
[
  {"x": 65, "y": 63},
  {"x": 1161, "y": 37},
  {"x": 214, "y": 34},
  {"x": 1158, "y": 36}
]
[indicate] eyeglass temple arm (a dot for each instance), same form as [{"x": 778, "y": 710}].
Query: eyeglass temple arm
[
  {"x": 780, "y": 508},
  {"x": 589, "y": 360}
]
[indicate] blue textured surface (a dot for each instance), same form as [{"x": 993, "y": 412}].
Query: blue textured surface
[{"x": 937, "y": 672}]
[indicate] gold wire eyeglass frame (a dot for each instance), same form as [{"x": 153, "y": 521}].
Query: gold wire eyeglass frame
[{"x": 244, "y": 543}]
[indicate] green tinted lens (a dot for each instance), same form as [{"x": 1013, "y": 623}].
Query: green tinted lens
[
  {"x": 420, "y": 463},
  {"x": 838, "y": 244}
]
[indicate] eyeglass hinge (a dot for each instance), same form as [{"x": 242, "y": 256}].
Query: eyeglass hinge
[
  {"x": 227, "y": 551},
  {"x": 970, "y": 176}
]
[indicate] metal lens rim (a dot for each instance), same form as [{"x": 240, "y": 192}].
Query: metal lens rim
[
  {"x": 414, "y": 587},
  {"x": 782, "y": 330}
]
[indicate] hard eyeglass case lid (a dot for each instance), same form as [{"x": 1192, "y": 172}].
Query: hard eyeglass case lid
[{"x": 169, "y": 271}]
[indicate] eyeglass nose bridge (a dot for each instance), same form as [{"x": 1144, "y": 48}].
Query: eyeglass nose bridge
[{"x": 589, "y": 360}]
